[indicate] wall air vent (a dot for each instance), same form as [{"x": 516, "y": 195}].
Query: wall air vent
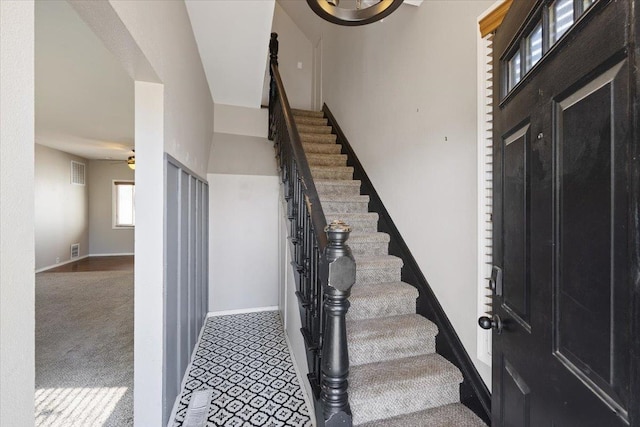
[
  {"x": 75, "y": 250},
  {"x": 77, "y": 173}
]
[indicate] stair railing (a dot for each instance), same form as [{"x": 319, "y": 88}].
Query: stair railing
[{"x": 323, "y": 263}]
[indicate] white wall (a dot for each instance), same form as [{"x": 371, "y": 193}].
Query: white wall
[
  {"x": 149, "y": 267},
  {"x": 17, "y": 254},
  {"x": 61, "y": 208},
  {"x": 163, "y": 32},
  {"x": 243, "y": 236},
  {"x": 241, "y": 120},
  {"x": 404, "y": 93},
  {"x": 103, "y": 238},
  {"x": 243, "y": 212},
  {"x": 232, "y": 38},
  {"x": 241, "y": 155},
  {"x": 294, "y": 49}
]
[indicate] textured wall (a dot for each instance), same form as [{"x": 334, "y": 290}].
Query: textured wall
[
  {"x": 103, "y": 238},
  {"x": 61, "y": 208},
  {"x": 294, "y": 48},
  {"x": 17, "y": 299}
]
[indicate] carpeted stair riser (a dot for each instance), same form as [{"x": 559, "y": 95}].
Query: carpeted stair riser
[
  {"x": 314, "y": 129},
  {"x": 382, "y": 299},
  {"x": 307, "y": 113},
  {"x": 453, "y": 415},
  {"x": 368, "y": 244},
  {"x": 378, "y": 269},
  {"x": 318, "y": 138},
  {"x": 321, "y": 148},
  {"x": 388, "y": 338},
  {"x": 331, "y": 172},
  {"x": 326, "y": 159},
  {"x": 391, "y": 388},
  {"x": 332, "y": 205},
  {"x": 314, "y": 121},
  {"x": 339, "y": 187},
  {"x": 365, "y": 222}
]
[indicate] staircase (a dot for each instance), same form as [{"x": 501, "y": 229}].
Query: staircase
[{"x": 396, "y": 378}]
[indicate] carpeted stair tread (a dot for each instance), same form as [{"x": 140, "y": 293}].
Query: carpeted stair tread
[
  {"x": 307, "y": 113},
  {"x": 365, "y": 222},
  {"x": 316, "y": 159},
  {"x": 395, "y": 387},
  {"x": 332, "y": 172},
  {"x": 340, "y": 187},
  {"x": 313, "y": 129},
  {"x": 389, "y": 338},
  {"x": 318, "y": 138},
  {"x": 306, "y": 120},
  {"x": 321, "y": 148},
  {"x": 453, "y": 415},
  {"x": 382, "y": 299}
]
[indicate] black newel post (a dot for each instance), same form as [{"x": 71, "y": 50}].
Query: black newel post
[
  {"x": 273, "y": 60},
  {"x": 335, "y": 357}
]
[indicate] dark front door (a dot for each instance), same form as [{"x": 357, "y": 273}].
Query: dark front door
[{"x": 566, "y": 301}]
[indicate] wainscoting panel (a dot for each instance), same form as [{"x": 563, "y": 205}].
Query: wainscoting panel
[{"x": 186, "y": 275}]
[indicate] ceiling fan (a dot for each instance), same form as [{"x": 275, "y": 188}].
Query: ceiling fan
[{"x": 131, "y": 161}]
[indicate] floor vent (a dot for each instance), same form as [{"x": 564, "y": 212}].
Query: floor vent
[
  {"x": 77, "y": 173},
  {"x": 75, "y": 250},
  {"x": 198, "y": 409}
]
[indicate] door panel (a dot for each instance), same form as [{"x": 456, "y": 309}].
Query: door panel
[
  {"x": 515, "y": 226},
  {"x": 516, "y": 404},
  {"x": 566, "y": 221},
  {"x": 590, "y": 341}
]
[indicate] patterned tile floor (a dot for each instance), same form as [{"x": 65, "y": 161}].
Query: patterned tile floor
[{"x": 244, "y": 358}]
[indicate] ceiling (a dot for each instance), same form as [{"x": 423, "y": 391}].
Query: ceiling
[
  {"x": 84, "y": 99},
  {"x": 233, "y": 41}
]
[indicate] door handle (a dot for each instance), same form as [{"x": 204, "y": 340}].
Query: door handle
[
  {"x": 495, "y": 281},
  {"x": 494, "y": 323}
]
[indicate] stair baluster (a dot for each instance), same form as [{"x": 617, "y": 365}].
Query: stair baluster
[{"x": 323, "y": 265}]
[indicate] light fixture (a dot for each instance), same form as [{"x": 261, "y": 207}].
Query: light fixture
[
  {"x": 131, "y": 161},
  {"x": 365, "y": 11}
]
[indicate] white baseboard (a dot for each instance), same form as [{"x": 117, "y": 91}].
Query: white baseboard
[
  {"x": 120, "y": 254},
  {"x": 49, "y": 267},
  {"x": 242, "y": 311},
  {"x": 301, "y": 378}
]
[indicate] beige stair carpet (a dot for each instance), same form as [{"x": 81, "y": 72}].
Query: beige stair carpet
[{"x": 396, "y": 378}]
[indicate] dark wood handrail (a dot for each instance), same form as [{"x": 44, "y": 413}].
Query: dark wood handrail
[{"x": 309, "y": 188}]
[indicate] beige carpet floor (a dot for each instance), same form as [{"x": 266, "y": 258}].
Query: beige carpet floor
[{"x": 84, "y": 349}]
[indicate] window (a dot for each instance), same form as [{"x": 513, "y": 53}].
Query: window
[
  {"x": 514, "y": 70},
  {"x": 541, "y": 36},
  {"x": 533, "y": 46},
  {"x": 124, "y": 214},
  {"x": 560, "y": 19}
]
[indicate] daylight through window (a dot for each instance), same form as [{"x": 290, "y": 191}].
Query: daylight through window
[{"x": 124, "y": 214}]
